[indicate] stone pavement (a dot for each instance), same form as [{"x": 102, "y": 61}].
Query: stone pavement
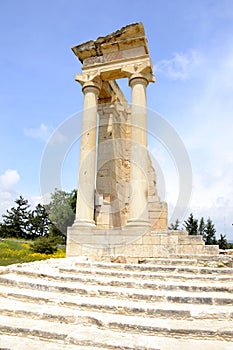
[{"x": 74, "y": 303}]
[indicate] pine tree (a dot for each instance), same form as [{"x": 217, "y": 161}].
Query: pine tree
[
  {"x": 191, "y": 225},
  {"x": 16, "y": 221},
  {"x": 222, "y": 242},
  {"x": 174, "y": 226},
  {"x": 201, "y": 227},
  {"x": 39, "y": 223},
  {"x": 209, "y": 233}
]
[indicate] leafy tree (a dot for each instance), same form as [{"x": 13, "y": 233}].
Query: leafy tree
[
  {"x": 174, "y": 226},
  {"x": 209, "y": 233},
  {"x": 16, "y": 221},
  {"x": 191, "y": 225},
  {"x": 72, "y": 198},
  {"x": 61, "y": 209},
  {"x": 56, "y": 235},
  {"x": 222, "y": 242},
  {"x": 201, "y": 227}
]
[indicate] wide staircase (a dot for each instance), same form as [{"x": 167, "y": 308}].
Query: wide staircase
[{"x": 72, "y": 303}]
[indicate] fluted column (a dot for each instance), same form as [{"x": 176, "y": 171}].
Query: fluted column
[
  {"x": 87, "y": 162},
  {"x": 138, "y": 206}
]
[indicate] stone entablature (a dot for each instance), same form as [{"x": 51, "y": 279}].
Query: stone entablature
[
  {"x": 117, "y": 55},
  {"x": 130, "y": 37}
]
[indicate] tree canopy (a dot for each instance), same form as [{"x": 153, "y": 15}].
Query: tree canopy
[
  {"x": 44, "y": 220},
  {"x": 191, "y": 225},
  {"x": 52, "y": 220},
  {"x": 209, "y": 233}
]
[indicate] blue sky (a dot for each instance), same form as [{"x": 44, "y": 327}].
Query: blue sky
[{"x": 191, "y": 47}]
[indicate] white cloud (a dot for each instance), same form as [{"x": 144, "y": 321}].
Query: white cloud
[
  {"x": 6, "y": 201},
  {"x": 9, "y": 179},
  {"x": 42, "y": 133},
  {"x": 46, "y": 133},
  {"x": 57, "y": 138},
  {"x": 180, "y": 66},
  {"x": 8, "y": 194}
]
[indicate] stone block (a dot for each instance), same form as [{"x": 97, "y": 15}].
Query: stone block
[
  {"x": 160, "y": 251},
  {"x": 211, "y": 249},
  {"x": 139, "y": 251},
  {"x": 173, "y": 240},
  {"x": 156, "y": 239},
  {"x": 164, "y": 239},
  {"x": 189, "y": 249},
  {"x": 138, "y": 241},
  {"x": 192, "y": 240},
  {"x": 73, "y": 248},
  {"x": 154, "y": 214},
  {"x": 160, "y": 224}
]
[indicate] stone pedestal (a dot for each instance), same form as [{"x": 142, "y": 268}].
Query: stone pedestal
[{"x": 134, "y": 245}]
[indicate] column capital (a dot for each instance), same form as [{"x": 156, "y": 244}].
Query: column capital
[
  {"x": 142, "y": 71},
  {"x": 138, "y": 79},
  {"x": 90, "y": 80},
  {"x": 91, "y": 87}
]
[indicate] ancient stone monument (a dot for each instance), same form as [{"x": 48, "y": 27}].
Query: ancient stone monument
[
  {"x": 119, "y": 211},
  {"x": 184, "y": 302}
]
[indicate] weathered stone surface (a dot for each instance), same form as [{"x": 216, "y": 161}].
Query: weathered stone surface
[
  {"x": 110, "y": 47},
  {"x": 103, "y": 245},
  {"x": 76, "y": 303}
]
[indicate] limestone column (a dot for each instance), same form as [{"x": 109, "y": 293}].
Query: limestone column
[
  {"x": 138, "y": 206},
  {"x": 87, "y": 162}
]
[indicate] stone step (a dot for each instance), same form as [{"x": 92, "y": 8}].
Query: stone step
[
  {"x": 114, "y": 306},
  {"x": 125, "y": 269},
  {"x": 206, "y": 257},
  {"x": 20, "y": 342},
  {"x": 121, "y": 306},
  {"x": 74, "y": 303},
  {"x": 201, "y": 329},
  {"x": 171, "y": 292},
  {"x": 89, "y": 336},
  {"x": 162, "y": 275},
  {"x": 217, "y": 260},
  {"x": 108, "y": 266},
  {"x": 129, "y": 282},
  {"x": 171, "y": 261},
  {"x": 157, "y": 268}
]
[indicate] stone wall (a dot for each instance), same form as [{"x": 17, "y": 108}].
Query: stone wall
[
  {"x": 112, "y": 182},
  {"x": 113, "y": 170},
  {"x": 104, "y": 245}
]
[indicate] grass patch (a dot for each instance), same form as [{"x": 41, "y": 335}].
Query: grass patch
[{"x": 13, "y": 251}]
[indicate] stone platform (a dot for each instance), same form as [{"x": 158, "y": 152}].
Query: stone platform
[
  {"x": 133, "y": 244},
  {"x": 168, "y": 304}
]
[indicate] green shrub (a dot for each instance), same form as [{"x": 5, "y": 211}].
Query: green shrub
[{"x": 44, "y": 245}]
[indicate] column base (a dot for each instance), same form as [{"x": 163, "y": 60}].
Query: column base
[
  {"x": 138, "y": 223},
  {"x": 84, "y": 223}
]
